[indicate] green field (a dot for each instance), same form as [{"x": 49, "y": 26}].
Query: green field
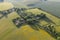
[{"x": 8, "y": 31}]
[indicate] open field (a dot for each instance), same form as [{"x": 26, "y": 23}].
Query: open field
[{"x": 8, "y": 31}]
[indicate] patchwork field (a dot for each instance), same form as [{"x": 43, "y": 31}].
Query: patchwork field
[{"x": 8, "y": 31}]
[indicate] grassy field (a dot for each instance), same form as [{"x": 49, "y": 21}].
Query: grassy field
[{"x": 8, "y": 31}]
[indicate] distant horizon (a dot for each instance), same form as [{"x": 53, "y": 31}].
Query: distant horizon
[
  {"x": 1, "y": 0},
  {"x": 30, "y": 0}
]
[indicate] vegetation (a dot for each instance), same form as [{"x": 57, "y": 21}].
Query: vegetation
[{"x": 8, "y": 30}]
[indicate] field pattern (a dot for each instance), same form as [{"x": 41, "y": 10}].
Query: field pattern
[{"x": 8, "y": 31}]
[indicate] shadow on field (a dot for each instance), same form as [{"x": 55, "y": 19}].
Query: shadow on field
[{"x": 48, "y": 20}]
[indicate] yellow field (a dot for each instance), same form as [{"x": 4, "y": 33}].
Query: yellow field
[{"x": 8, "y": 31}]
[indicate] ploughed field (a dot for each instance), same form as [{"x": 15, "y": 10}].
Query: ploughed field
[{"x": 9, "y": 31}]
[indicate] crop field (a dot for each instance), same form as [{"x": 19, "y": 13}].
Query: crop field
[{"x": 8, "y": 30}]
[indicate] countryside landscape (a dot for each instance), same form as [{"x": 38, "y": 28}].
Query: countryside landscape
[{"x": 47, "y": 26}]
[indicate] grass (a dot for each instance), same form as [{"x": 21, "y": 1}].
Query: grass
[{"x": 8, "y": 31}]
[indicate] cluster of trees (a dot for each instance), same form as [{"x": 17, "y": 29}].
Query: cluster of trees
[
  {"x": 51, "y": 30},
  {"x": 6, "y": 12},
  {"x": 18, "y": 22},
  {"x": 29, "y": 18}
]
